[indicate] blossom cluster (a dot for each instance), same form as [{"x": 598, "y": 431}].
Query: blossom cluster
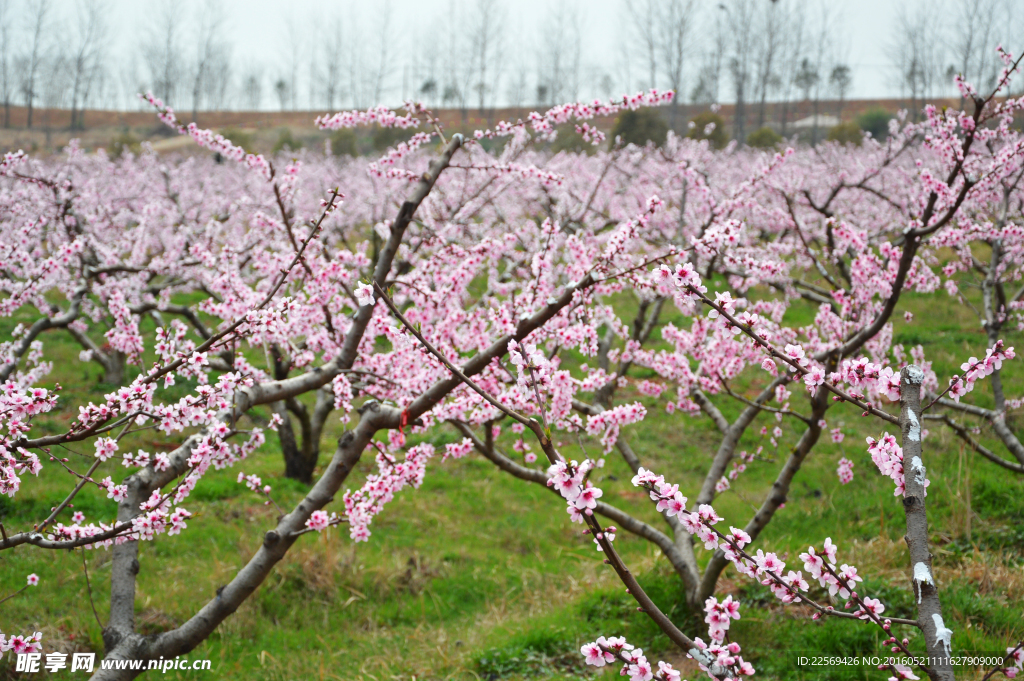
[
  {"x": 11, "y": 160},
  {"x": 845, "y": 471},
  {"x": 19, "y": 644},
  {"x": 392, "y": 476},
  {"x": 378, "y": 115},
  {"x": 608, "y": 422},
  {"x": 570, "y": 479},
  {"x": 716, "y": 655},
  {"x": 887, "y": 455},
  {"x": 975, "y": 369},
  {"x": 18, "y": 405},
  {"x": 320, "y": 520},
  {"x": 253, "y": 482},
  {"x": 635, "y": 664},
  {"x": 544, "y": 123},
  {"x": 208, "y": 138}
]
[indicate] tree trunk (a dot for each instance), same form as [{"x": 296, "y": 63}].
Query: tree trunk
[
  {"x": 740, "y": 115},
  {"x": 300, "y": 457},
  {"x": 929, "y": 611},
  {"x": 324, "y": 406},
  {"x": 814, "y": 130},
  {"x": 776, "y": 496},
  {"x": 289, "y": 445},
  {"x": 113, "y": 367},
  {"x": 297, "y": 464}
]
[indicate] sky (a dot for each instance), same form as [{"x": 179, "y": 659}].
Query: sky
[{"x": 260, "y": 30}]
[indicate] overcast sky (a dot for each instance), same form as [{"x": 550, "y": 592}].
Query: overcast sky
[
  {"x": 262, "y": 32},
  {"x": 257, "y": 27}
]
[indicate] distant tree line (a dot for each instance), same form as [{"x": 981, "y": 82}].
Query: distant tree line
[{"x": 765, "y": 57}]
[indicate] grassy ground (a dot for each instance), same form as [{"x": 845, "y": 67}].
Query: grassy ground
[{"x": 478, "y": 575}]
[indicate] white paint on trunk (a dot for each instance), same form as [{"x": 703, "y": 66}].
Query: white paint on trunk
[
  {"x": 942, "y": 634},
  {"x": 919, "y": 470},
  {"x": 915, "y": 426},
  {"x": 922, "y": 576}
]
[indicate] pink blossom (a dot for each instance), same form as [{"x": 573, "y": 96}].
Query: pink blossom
[
  {"x": 845, "y": 470},
  {"x": 318, "y": 521},
  {"x": 594, "y": 655},
  {"x": 639, "y": 669},
  {"x": 364, "y": 294},
  {"x": 872, "y": 605},
  {"x": 588, "y": 497}
]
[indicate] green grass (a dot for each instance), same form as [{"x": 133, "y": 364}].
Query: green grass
[{"x": 478, "y": 575}]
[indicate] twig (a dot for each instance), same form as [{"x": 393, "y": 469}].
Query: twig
[
  {"x": 88, "y": 586},
  {"x": 62, "y": 505},
  {"x": 7, "y": 598},
  {"x": 744, "y": 400}
]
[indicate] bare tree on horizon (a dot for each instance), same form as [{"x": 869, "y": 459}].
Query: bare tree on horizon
[
  {"x": 840, "y": 80},
  {"x": 456, "y": 63},
  {"x": 334, "y": 56},
  {"x": 162, "y": 53},
  {"x": 974, "y": 31},
  {"x": 709, "y": 78},
  {"x": 914, "y": 54},
  {"x": 769, "y": 45},
  {"x": 559, "y": 55},
  {"x": 252, "y": 87},
  {"x": 741, "y": 17},
  {"x": 792, "y": 50},
  {"x": 824, "y": 53},
  {"x": 30, "y": 62},
  {"x": 674, "y": 44},
  {"x": 291, "y": 57},
  {"x": 643, "y": 22},
  {"x": 661, "y": 30},
  {"x": 488, "y": 21},
  {"x": 384, "y": 67},
  {"x": 210, "y": 66},
  {"x": 6, "y": 76},
  {"x": 89, "y": 35}
]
